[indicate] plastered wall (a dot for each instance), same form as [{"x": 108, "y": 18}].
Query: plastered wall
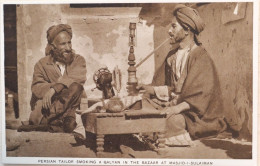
[
  {"x": 231, "y": 47},
  {"x": 101, "y": 36}
]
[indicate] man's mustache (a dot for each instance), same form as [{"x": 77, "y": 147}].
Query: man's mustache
[
  {"x": 64, "y": 56},
  {"x": 66, "y": 51}
]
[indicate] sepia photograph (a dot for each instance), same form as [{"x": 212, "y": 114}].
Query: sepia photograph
[{"x": 129, "y": 83}]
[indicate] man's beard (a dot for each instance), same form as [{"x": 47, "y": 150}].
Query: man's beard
[
  {"x": 65, "y": 57},
  {"x": 178, "y": 37}
]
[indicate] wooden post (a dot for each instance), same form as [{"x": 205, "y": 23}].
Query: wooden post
[
  {"x": 161, "y": 145},
  {"x": 100, "y": 144}
]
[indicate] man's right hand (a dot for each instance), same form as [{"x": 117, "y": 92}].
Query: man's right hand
[
  {"x": 148, "y": 89},
  {"x": 46, "y": 101}
]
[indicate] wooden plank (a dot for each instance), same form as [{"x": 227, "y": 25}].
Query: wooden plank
[{"x": 119, "y": 125}]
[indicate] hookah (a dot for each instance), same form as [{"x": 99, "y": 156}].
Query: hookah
[
  {"x": 104, "y": 79},
  {"x": 132, "y": 80}
]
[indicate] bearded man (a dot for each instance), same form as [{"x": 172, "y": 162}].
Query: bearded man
[
  {"x": 190, "y": 91},
  {"x": 57, "y": 84}
]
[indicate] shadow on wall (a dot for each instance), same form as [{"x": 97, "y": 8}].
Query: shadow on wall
[{"x": 233, "y": 150}]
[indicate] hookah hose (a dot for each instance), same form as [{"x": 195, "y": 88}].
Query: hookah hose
[{"x": 151, "y": 53}]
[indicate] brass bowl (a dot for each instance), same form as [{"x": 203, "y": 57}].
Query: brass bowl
[{"x": 114, "y": 105}]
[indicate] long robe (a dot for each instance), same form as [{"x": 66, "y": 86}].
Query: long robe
[
  {"x": 68, "y": 90},
  {"x": 199, "y": 87},
  {"x": 46, "y": 75}
]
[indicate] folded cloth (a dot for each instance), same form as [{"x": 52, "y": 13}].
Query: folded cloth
[
  {"x": 179, "y": 140},
  {"x": 126, "y": 100},
  {"x": 162, "y": 93},
  {"x": 130, "y": 100}
]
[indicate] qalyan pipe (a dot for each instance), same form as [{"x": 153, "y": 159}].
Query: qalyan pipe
[{"x": 151, "y": 53}]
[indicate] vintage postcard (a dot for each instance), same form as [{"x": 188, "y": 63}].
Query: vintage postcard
[{"x": 132, "y": 83}]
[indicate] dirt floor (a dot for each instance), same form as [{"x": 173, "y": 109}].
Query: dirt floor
[{"x": 44, "y": 144}]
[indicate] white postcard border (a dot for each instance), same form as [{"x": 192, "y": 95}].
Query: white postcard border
[{"x": 113, "y": 161}]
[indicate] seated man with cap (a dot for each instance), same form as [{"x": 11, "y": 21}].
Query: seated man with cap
[
  {"x": 186, "y": 86},
  {"x": 57, "y": 84}
]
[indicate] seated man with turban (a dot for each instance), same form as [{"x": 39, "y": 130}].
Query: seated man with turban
[
  {"x": 190, "y": 91},
  {"x": 57, "y": 84}
]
